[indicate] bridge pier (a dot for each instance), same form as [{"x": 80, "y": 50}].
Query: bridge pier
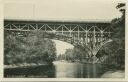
[{"x": 94, "y": 59}]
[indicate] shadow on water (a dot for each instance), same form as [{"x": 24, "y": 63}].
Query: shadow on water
[
  {"x": 44, "y": 71},
  {"x": 61, "y": 70}
]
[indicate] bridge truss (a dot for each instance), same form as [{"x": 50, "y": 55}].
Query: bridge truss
[{"x": 93, "y": 35}]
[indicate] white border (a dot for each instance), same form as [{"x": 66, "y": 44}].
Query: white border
[
  {"x": 60, "y": 79},
  {"x": 1, "y": 41}
]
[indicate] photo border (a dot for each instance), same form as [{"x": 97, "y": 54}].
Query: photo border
[{"x": 59, "y": 79}]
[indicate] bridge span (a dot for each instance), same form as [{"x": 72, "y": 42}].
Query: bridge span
[{"x": 93, "y": 35}]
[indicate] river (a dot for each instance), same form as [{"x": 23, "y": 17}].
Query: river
[{"x": 58, "y": 70}]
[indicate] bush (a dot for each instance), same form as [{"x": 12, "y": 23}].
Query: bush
[{"x": 33, "y": 48}]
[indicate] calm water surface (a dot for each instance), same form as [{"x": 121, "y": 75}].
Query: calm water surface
[{"x": 58, "y": 70}]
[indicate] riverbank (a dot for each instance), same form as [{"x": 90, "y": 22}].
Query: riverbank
[
  {"x": 24, "y": 65},
  {"x": 114, "y": 74}
]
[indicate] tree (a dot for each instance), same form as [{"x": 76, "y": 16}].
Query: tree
[
  {"x": 117, "y": 47},
  {"x": 77, "y": 53},
  {"x": 33, "y": 48},
  {"x": 41, "y": 48}
]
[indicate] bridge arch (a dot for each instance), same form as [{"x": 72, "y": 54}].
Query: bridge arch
[
  {"x": 93, "y": 35},
  {"x": 97, "y": 49},
  {"x": 103, "y": 56}
]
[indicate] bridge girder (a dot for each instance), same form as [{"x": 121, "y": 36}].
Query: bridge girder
[{"x": 92, "y": 35}]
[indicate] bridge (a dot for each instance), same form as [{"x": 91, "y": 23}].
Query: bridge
[{"x": 93, "y": 35}]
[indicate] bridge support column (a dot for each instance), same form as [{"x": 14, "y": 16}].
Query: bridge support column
[
  {"x": 101, "y": 40},
  {"x": 36, "y": 26},
  {"x": 78, "y": 33},
  {"x": 86, "y": 37},
  {"x": 94, "y": 59},
  {"x": 62, "y": 30},
  {"x": 94, "y": 38}
]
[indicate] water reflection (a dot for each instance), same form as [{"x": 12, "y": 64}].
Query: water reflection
[
  {"x": 77, "y": 70},
  {"x": 58, "y": 70},
  {"x": 44, "y": 71}
]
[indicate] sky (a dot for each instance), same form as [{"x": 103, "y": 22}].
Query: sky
[
  {"x": 77, "y": 10},
  {"x": 64, "y": 10}
]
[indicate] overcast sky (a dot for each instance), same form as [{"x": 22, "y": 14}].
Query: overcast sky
[{"x": 61, "y": 9}]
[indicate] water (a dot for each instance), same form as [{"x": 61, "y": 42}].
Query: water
[
  {"x": 57, "y": 70},
  {"x": 78, "y": 70}
]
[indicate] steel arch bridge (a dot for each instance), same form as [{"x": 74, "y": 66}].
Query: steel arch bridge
[{"x": 92, "y": 34}]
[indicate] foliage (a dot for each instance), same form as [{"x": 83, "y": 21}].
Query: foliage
[
  {"x": 117, "y": 47},
  {"x": 34, "y": 48},
  {"x": 77, "y": 53}
]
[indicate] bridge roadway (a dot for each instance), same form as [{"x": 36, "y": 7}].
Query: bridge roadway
[{"x": 92, "y": 34}]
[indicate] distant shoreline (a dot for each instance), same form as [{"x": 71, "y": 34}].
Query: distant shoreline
[{"x": 24, "y": 65}]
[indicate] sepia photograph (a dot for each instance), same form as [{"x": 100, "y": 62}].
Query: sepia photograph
[{"x": 64, "y": 39}]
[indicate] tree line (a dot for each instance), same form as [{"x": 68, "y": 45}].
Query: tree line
[
  {"x": 116, "y": 49},
  {"x": 33, "y": 48}
]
